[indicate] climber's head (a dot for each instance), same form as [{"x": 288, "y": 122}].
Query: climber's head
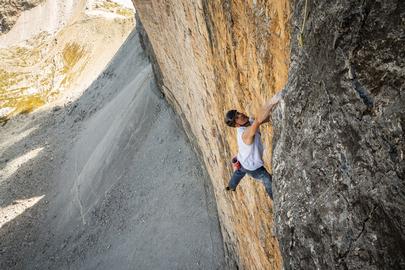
[{"x": 233, "y": 118}]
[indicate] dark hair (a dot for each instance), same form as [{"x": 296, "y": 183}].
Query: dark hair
[{"x": 230, "y": 118}]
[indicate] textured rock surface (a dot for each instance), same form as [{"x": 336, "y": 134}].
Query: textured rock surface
[
  {"x": 10, "y": 10},
  {"x": 213, "y": 56},
  {"x": 338, "y": 147}
]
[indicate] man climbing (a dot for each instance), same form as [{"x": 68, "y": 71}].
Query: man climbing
[{"x": 250, "y": 155}]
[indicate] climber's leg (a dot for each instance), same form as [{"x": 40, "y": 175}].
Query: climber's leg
[
  {"x": 265, "y": 177},
  {"x": 236, "y": 178}
]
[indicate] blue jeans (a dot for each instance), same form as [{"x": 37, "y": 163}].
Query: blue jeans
[{"x": 259, "y": 174}]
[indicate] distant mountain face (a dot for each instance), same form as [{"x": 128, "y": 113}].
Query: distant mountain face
[
  {"x": 10, "y": 10},
  {"x": 57, "y": 48}
]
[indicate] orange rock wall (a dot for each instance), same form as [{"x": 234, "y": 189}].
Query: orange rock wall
[{"x": 215, "y": 56}]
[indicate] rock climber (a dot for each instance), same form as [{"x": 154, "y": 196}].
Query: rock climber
[{"x": 250, "y": 155}]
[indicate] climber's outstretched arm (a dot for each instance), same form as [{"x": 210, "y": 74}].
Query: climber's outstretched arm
[
  {"x": 249, "y": 134},
  {"x": 268, "y": 107}
]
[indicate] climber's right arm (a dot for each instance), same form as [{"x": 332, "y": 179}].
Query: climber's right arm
[
  {"x": 268, "y": 107},
  {"x": 249, "y": 133}
]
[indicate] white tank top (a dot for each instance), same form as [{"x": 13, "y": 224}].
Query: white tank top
[{"x": 250, "y": 155}]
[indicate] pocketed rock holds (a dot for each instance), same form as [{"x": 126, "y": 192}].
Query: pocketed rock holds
[{"x": 338, "y": 161}]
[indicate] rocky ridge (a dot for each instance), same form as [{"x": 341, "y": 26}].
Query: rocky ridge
[
  {"x": 49, "y": 65},
  {"x": 10, "y": 10}
]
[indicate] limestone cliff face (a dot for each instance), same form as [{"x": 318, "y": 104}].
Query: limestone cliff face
[
  {"x": 338, "y": 143},
  {"x": 10, "y": 10},
  {"x": 338, "y": 146},
  {"x": 213, "y": 56}
]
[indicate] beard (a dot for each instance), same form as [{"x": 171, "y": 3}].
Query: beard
[{"x": 247, "y": 123}]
